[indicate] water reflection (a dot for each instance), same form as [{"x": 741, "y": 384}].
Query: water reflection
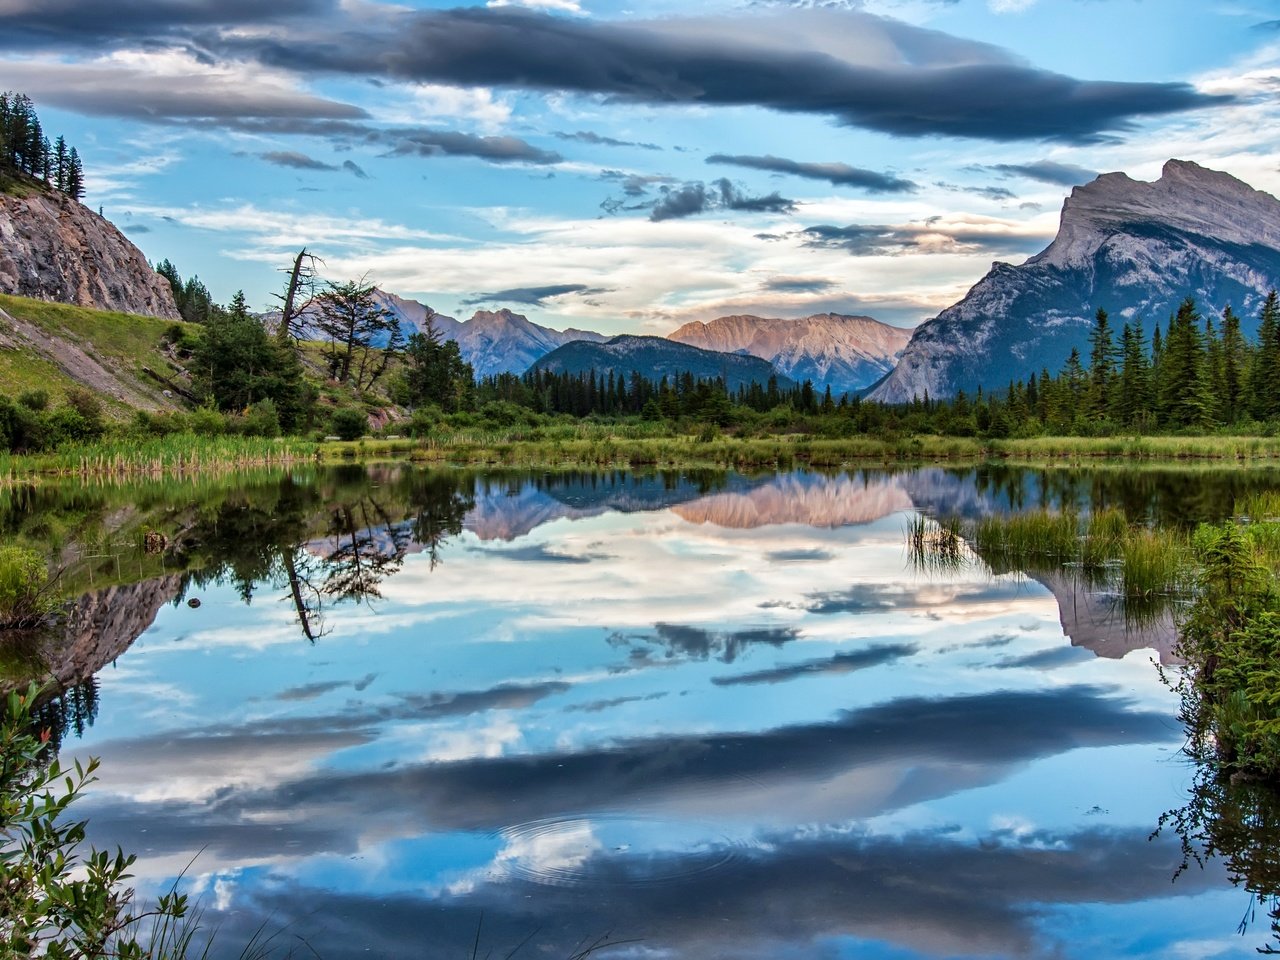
[{"x": 720, "y": 713}]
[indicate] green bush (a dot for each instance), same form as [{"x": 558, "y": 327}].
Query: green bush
[
  {"x": 24, "y": 588},
  {"x": 261, "y": 420},
  {"x": 36, "y": 400},
  {"x": 349, "y": 423}
]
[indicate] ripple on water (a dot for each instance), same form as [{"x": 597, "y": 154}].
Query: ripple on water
[{"x": 615, "y": 850}]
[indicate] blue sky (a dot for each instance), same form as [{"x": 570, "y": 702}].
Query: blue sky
[{"x": 628, "y": 168}]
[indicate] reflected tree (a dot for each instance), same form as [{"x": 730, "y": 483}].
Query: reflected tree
[{"x": 1239, "y": 824}]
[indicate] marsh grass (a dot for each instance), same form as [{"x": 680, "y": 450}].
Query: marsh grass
[
  {"x": 156, "y": 457},
  {"x": 936, "y": 546}
]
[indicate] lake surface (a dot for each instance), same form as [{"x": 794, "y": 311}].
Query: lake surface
[{"x": 719, "y": 715}]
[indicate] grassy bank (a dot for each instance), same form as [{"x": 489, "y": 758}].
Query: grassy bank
[{"x": 605, "y": 445}]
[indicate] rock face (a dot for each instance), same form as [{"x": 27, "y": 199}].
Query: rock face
[
  {"x": 833, "y": 350},
  {"x": 53, "y": 248},
  {"x": 1134, "y": 248},
  {"x": 657, "y": 357}
]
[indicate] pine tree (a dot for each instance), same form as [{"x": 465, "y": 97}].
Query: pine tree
[
  {"x": 1133, "y": 401},
  {"x": 75, "y": 176},
  {"x": 1234, "y": 364},
  {"x": 1264, "y": 371},
  {"x": 1103, "y": 357}
]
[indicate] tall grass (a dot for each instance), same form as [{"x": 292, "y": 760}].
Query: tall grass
[{"x": 158, "y": 456}]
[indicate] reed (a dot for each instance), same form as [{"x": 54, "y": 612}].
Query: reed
[{"x": 155, "y": 457}]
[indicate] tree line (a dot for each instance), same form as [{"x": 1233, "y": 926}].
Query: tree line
[{"x": 25, "y": 148}]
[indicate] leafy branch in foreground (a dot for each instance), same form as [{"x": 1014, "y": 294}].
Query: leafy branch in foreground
[{"x": 56, "y": 900}]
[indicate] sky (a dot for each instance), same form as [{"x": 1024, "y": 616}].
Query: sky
[{"x": 629, "y": 167}]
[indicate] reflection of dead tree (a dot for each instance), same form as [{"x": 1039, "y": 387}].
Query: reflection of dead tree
[
  {"x": 306, "y": 597},
  {"x": 368, "y": 548}
]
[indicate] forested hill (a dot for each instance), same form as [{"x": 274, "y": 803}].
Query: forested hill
[{"x": 657, "y": 357}]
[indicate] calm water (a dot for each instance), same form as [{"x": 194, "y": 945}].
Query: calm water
[{"x": 721, "y": 715}]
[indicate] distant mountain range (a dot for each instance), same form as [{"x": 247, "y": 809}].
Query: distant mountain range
[
  {"x": 1136, "y": 249},
  {"x": 657, "y": 357},
  {"x": 833, "y": 350}
]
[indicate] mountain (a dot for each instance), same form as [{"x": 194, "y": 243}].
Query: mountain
[
  {"x": 657, "y": 357},
  {"x": 492, "y": 342},
  {"x": 833, "y": 350},
  {"x": 1135, "y": 248},
  {"x": 504, "y": 342},
  {"x": 54, "y": 248}
]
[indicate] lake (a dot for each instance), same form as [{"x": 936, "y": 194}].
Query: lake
[{"x": 385, "y": 711}]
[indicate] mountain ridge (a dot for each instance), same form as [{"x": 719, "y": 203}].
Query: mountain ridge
[
  {"x": 844, "y": 352},
  {"x": 1132, "y": 247}
]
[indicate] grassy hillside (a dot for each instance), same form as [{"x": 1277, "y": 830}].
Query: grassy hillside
[{"x": 53, "y": 346}]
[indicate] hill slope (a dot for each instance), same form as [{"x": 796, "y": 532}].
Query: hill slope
[
  {"x": 54, "y": 248},
  {"x": 1134, "y": 248},
  {"x": 657, "y": 357},
  {"x": 845, "y": 353},
  {"x": 51, "y": 346}
]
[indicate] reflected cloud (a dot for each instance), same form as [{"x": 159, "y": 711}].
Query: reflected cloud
[{"x": 841, "y": 663}]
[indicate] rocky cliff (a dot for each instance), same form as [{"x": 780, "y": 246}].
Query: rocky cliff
[
  {"x": 833, "y": 350},
  {"x": 1134, "y": 248},
  {"x": 53, "y": 248}
]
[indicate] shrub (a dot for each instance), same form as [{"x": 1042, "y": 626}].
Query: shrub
[
  {"x": 54, "y": 901},
  {"x": 349, "y": 423},
  {"x": 25, "y": 599},
  {"x": 261, "y": 420},
  {"x": 36, "y": 400}
]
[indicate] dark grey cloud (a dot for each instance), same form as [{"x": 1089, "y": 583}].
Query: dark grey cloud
[
  {"x": 841, "y": 663},
  {"x": 693, "y": 198},
  {"x": 295, "y": 160},
  {"x": 910, "y": 750},
  {"x": 940, "y": 86},
  {"x": 636, "y": 184},
  {"x": 799, "y": 285},
  {"x": 923, "y": 894},
  {"x": 839, "y": 174},
  {"x": 440, "y": 143},
  {"x": 599, "y": 706},
  {"x": 539, "y": 552},
  {"x": 877, "y": 239},
  {"x": 310, "y": 691},
  {"x": 136, "y": 228},
  {"x": 1050, "y": 659},
  {"x": 354, "y": 169},
  {"x": 595, "y": 139},
  {"x": 536, "y": 297},
  {"x": 699, "y": 643},
  {"x": 1048, "y": 171},
  {"x": 39, "y": 23},
  {"x": 397, "y": 141},
  {"x": 989, "y": 192}
]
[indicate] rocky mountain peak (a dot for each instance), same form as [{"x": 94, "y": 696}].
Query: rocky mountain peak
[
  {"x": 1187, "y": 197},
  {"x": 1135, "y": 248}
]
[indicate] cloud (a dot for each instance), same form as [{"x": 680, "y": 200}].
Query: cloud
[
  {"x": 932, "y": 235},
  {"x": 791, "y": 895},
  {"x": 586, "y": 136},
  {"x": 839, "y": 174},
  {"x": 839, "y": 664},
  {"x": 536, "y": 297},
  {"x": 354, "y": 169},
  {"x": 295, "y": 160},
  {"x": 43, "y": 23},
  {"x": 168, "y": 85},
  {"x": 438, "y": 143},
  {"x": 696, "y": 197},
  {"x": 861, "y": 70},
  {"x": 990, "y": 193},
  {"x": 799, "y": 284},
  {"x": 1048, "y": 171}
]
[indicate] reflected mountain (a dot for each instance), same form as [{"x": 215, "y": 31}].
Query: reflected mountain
[{"x": 812, "y": 499}]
